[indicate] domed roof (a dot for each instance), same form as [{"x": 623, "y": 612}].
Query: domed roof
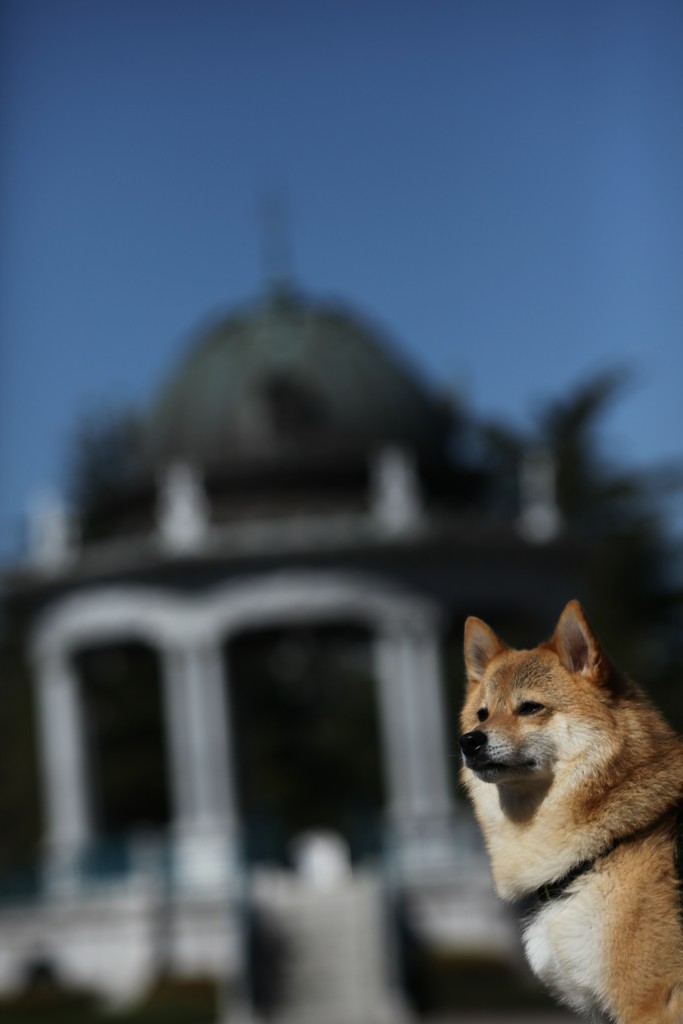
[{"x": 288, "y": 380}]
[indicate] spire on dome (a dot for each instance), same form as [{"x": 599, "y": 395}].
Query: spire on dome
[{"x": 276, "y": 244}]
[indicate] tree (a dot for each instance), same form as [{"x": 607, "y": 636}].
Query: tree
[
  {"x": 619, "y": 513},
  {"x": 104, "y": 465}
]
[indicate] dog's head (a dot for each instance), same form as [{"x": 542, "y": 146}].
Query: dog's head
[{"x": 528, "y": 711}]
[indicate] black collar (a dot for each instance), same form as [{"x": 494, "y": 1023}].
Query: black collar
[
  {"x": 556, "y": 889},
  {"x": 553, "y": 890}
]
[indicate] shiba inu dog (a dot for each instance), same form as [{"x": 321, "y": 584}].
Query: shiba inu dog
[{"x": 577, "y": 784}]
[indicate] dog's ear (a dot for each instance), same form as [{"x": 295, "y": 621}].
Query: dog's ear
[
  {"x": 481, "y": 646},
  {"x": 577, "y": 646}
]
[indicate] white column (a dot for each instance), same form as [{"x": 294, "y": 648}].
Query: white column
[
  {"x": 64, "y": 770},
  {"x": 396, "y": 499},
  {"x": 423, "y": 657},
  {"x": 177, "y": 738},
  {"x": 420, "y": 807},
  {"x": 200, "y": 762},
  {"x": 398, "y": 752}
]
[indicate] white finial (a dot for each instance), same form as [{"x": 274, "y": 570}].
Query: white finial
[
  {"x": 52, "y": 532},
  {"x": 182, "y": 516},
  {"x": 396, "y": 498},
  {"x": 539, "y": 518}
]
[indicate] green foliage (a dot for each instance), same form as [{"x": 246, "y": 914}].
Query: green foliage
[
  {"x": 19, "y": 800},
  {"x": 50, "y": 1003},
  {"x": 105, "y": 463},
  {"x": 448, "y": 982},
  {"x": 169, "y": 1001},
  {"x": 306, "y": 736},
  {"x": 617, "y": 516},
  {"x": 122, "y": 701},
  {"x": 174, "y": 1001}
]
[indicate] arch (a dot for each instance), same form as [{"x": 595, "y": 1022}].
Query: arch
[
  {"x": 188, "y": 630},
  {"x": 161, "y": 616}
]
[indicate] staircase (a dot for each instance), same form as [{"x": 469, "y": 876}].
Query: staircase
[{"x": 337, "y": 966}]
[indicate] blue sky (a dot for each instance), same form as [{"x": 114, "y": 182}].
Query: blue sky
[{"x": 495, "y": 182}]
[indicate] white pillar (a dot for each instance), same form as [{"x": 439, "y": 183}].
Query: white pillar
[
  {"x": 396, "y": 500},
  {"x": 200, "y": 762},
  {"x": 423, "y": 657},
  {"x": 64, "y": 769},
  {"x": 182, "y": 514},
  {"x": 420, "y": 806},
  {"x": 398, "y": 754},
  {"x": 540, "y": 520},
  {"x": 177, "y": 738}
]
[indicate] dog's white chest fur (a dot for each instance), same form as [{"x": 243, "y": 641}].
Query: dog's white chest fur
[{"x": 564, "y": 946}]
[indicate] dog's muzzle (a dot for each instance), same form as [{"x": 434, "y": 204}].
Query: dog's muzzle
[{"x": 473, "y": 743}]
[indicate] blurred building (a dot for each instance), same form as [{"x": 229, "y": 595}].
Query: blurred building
[{"x": 238, "y": 650}]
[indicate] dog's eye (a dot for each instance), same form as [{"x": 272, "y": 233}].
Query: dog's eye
[
  {"x": 482, "y": 714},
  {"x": 529, "y": 707}
]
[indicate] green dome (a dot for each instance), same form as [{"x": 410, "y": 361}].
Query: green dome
[{"x": 287, "y": 380}]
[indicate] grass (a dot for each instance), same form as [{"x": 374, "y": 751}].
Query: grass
[
  {"x": 169, "y": 1001},
  {"x": 443, "y": 982}
]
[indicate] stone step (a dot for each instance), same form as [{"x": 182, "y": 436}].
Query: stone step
[{"x": 336, "y": 969}]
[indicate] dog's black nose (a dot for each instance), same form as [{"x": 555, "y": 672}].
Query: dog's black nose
[{"x": 472, "y": 742}]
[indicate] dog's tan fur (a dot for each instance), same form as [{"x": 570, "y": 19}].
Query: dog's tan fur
[{"x": 587, "y": 762}]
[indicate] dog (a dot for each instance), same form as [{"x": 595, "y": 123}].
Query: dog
[{"x": 577, "y": 784}]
